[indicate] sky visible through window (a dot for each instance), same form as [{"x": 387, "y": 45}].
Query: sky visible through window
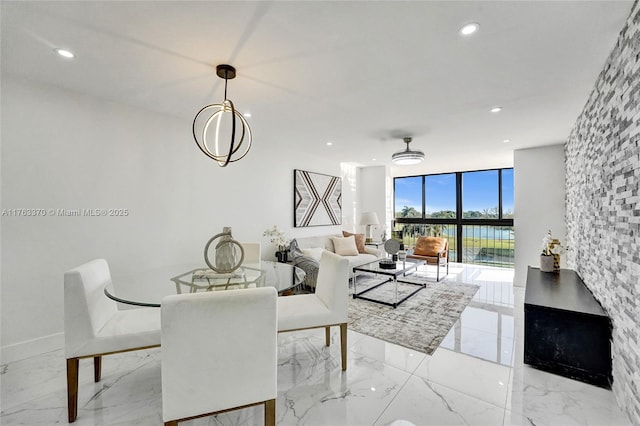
[
  {"x": 507, "y": 193},
  {"x": 479, "y": 192},
  {"x": 408, "y": 192},
  {"x": 440, "y": 193}
]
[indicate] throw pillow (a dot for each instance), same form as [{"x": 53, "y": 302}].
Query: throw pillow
[
  {"x": 429, "y": 246},
  {"x": 314, "y": 252},
  {"x": 359, "y": 240},
  {"x": 345, "y": 246}
]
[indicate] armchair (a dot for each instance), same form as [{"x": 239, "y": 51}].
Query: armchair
[{"x": 433, "y": 250}]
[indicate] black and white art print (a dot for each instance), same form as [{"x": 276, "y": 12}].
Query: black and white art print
[{"x": 317, "y": 199}]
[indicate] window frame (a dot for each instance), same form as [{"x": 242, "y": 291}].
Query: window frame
[{"x": 459, "y": 222}]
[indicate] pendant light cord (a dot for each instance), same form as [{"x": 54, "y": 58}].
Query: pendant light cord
[{"x": 225, "y": 84}]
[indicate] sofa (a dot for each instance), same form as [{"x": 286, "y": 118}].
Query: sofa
[{"x": 306, "y": 252}]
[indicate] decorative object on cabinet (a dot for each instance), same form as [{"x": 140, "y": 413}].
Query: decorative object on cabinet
[{"x": 550, "y": 254}]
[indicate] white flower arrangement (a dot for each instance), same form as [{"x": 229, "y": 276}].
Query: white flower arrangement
[
  {"x": 551, "y": 246},
  {"x": 277, "y": 238}
]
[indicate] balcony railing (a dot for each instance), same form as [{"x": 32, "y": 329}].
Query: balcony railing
[{"x": 481, "y": 244}]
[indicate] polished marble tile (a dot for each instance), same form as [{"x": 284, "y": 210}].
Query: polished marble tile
[
  {"x": 475, "y": 377},
  {"x": 422, "y": 402},
  {"x": 484, "y": 380}
]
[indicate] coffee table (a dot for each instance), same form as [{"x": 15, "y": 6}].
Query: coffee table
[{"x": 402, "y": 269}]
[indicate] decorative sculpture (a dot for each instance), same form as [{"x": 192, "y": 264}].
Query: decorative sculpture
[{"x": 226, "y": 252}]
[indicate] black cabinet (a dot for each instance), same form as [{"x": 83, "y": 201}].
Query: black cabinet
[{"x": 566, "y": 331}]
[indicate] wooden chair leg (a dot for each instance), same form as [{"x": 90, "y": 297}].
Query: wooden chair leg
[
  {"x": 343, "y": 345},
  {"x": 72, "y": 388},
  {"x": 270, "y": 412},
  {"x": 327, "y": 336},
  {"x": 97, "y": 368}
]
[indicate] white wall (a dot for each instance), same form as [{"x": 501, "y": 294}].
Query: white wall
[
  {"x": 539, "y": 186},
  {"x": 374, "y": 196},
  {"x": 63, "y": 150}
]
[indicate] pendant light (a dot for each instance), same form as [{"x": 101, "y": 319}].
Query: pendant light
[
  {"x": 220, "y": 131},
  {"x": 408, "y": 156}
]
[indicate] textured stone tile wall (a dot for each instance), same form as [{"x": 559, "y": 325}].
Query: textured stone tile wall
[{"x": 603, "y": 208}]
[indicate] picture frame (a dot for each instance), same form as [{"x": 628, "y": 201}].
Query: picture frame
[{"x": 317, "y": 199}]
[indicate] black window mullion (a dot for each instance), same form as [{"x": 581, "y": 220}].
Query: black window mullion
[
  {"x": 424, "y": 197},
  {"x": 459, "y": 217},
  {"x": 499, "y": 193}
]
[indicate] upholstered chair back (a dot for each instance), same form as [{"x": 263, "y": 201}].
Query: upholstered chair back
[
  {"x": 431, "y": 246},
  {"x": 332, "y": 286},
  {"x": 252, "y": 253},
  {"x": 219, "y": 351},
  {"x": 86, "y": 308}
]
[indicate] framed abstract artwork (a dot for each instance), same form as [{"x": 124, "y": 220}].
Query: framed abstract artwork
[{"x": 317, "y": 199}]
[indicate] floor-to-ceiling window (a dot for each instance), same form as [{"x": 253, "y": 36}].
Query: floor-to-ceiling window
[{"x": 474, "y": 210}]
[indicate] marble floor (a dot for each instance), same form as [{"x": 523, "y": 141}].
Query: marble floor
[{"x": 476, "y": 377}]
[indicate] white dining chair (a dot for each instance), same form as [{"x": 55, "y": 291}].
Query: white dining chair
[
  {"x": 325, "y": 308},
  {"x": 252, "y": 254},
  {"x": 95, "y": 327},
  {"x": 219, "y": 353}
]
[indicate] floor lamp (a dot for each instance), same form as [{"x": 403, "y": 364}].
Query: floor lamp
[{"x": 368, "y": 219}]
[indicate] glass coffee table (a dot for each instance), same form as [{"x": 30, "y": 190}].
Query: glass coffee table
[{"x": 392, "y": 277}]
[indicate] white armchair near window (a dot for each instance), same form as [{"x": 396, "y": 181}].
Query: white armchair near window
[
  {"x": 325, "y": 308},
  {"x": 95, "y": 327}
]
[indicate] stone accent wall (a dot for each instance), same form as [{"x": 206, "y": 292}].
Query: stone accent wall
[{"x": 603, "y": 208}]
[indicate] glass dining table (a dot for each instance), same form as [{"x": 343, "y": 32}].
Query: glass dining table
[{"x": 148, "y": 287}]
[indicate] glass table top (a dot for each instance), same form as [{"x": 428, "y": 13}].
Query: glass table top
[
  {"x": 402, "y": 267},
  {"x": 147, "y": 288}
]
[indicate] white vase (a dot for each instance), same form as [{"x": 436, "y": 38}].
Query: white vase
[{"x": 546, "y": 263}]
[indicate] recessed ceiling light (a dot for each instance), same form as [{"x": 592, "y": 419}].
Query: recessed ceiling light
[
  {"x": 468, "y": 29},
  {"x": 496, "y": 109},
  {"x": 374, "y": 159},
  {"x": 64, "y": 53},
  {"x": 329, "y": 143},
  {"x": 506, "y": 141},
  {"x": 247, "y": 114}
]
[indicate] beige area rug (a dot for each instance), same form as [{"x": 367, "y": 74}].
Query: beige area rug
[{"x": 419, "y": 323}]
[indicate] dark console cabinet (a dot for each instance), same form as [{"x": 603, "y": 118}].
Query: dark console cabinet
[{"x": 566, "y": 331}]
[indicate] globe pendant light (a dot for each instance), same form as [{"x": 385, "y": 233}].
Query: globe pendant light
[
  {"x": 408, "y": 156},
  {"x": 215, "y": 127}
]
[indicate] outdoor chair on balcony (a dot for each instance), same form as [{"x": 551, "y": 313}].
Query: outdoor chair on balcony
[{"x": 433, "y": 250}]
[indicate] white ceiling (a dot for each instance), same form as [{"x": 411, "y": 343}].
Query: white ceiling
[{"x": 359, "y": 74}]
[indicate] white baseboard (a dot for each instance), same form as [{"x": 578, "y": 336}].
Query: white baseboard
[{"x": 29, "y": 348}]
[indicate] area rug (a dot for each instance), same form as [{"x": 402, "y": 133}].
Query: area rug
[{"x": 419, "y": 323}]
